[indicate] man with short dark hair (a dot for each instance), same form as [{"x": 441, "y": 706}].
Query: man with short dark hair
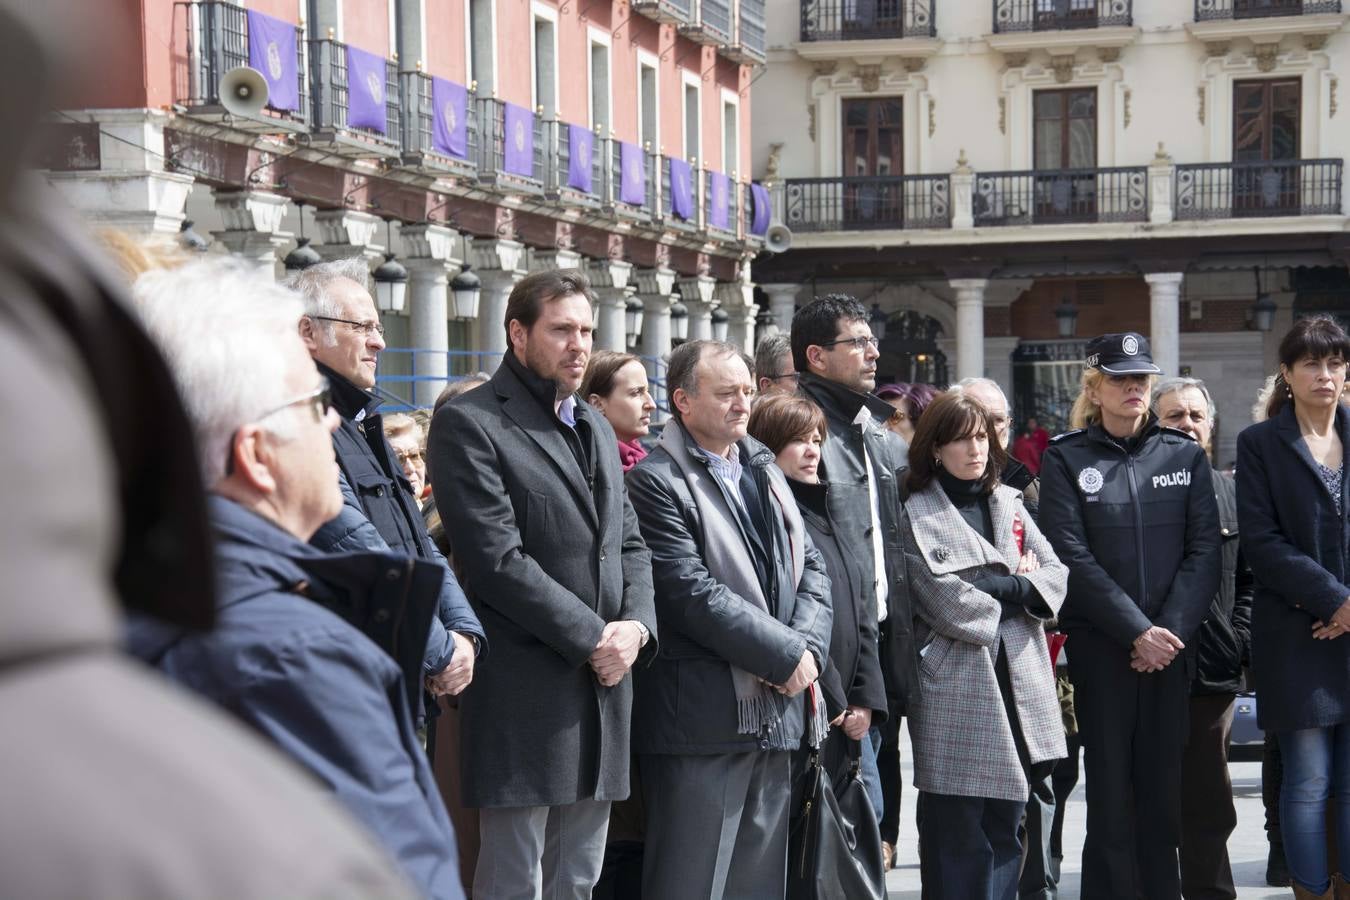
[
  {"x": 774, "y": 372},
  {"x": 836, "y": 355},
  {"x": 742, "y": 599},
  {"x": 532, "y": 492},
  {"x": 344, "y": 336}
]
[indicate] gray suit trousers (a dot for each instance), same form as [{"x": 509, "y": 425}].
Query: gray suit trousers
[
  {"x": 717, "y": 826},
  {"x": 541, "y": 852}
]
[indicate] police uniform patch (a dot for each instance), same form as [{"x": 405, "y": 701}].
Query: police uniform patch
[
  {"x": 1129, "y": 345},
  {"x": 1090, "y": 480}
]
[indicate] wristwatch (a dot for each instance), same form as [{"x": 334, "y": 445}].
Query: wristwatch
[{"x": 646, "y": 635}]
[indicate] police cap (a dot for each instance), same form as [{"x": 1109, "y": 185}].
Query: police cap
[{"x": 1121, "y": 354}]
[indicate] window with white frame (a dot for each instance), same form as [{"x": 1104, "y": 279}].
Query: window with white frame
[
  {"x": 545, "y": 59},
  {"x": 600, "y": 90},
  {"x": 731, "y": 133},
  {"x": 649, "y": 115},
  {"x": 693, "y": 146}
]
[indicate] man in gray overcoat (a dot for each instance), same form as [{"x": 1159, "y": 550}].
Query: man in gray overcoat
[
  {"x": 743, "y": 603},
  {"x": 531, "y": 491}
]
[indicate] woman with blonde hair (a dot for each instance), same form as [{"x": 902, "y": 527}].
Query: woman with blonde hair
[{"x": 1129, "y": 507}]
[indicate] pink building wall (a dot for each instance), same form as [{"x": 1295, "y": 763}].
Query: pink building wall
[
  {"x": 365, "y": 24},
  {"x": 445, "y": 40}
]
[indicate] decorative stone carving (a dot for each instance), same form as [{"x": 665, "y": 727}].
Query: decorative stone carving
[
  {"x": 1216, "y": 49},
  {"x": 870, "y": 77},
  {"x": 1331, "y": 96},
  {"x": 932, "y": 116},
  {"x": 825, "y": 69},
  {"x": 1108, "y": 54},
  {"x": 1266, "y": 56},
  {"x": 775, "y": 158},
  {"x": 1002, "y": 115},
  {"x": 912, "y": 64},
  {"x": 811, "y": 122},
  {"x": 1200, "y": 111},
  {"x": 1015, "y": 60},
  {"x": 1126, "y": 96},
  {"x": 1314, "y": 41},
  {"x": 1063, "y": 68}
]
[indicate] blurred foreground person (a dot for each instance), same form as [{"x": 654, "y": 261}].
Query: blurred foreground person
[
  {"x": 406, "y": 440},
  {"x": 1129, "y": 507},
  {"x": 1292, "y": 511},
  {"x": 286, "y": 655}
]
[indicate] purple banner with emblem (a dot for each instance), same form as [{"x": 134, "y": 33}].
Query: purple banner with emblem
[
  {"x": 719, "y": 190},
  {"x": 632, "y": 174},
  {"x": 579, "y": 146},
  {"x": 517, "y": 140},
  {"x": 763, "y": 211},
  {"x": 271, "y": 50},
  {"x": 681, "y": 191},
  {"x": 365, "y": 90},
  {"x": 449, "y": 118}
]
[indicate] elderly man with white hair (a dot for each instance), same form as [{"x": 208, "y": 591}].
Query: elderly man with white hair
[
  {"x": 987, "y": 392},
  {"x": 290, "y": 654}
]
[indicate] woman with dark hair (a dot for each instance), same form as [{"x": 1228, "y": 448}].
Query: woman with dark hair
[
  {"x": 1129, "y": 507},
  {"x": 909, "y": 400},
  {"x": 1292, "y": 504},
  {"x": 987, "y": 724},
  {"x": 793, "y": 428},
  {"x": 616, "y": 385}
]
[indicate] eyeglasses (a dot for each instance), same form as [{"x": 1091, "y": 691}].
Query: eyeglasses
[
  {"x": 366, "y": 328},
  {"x": 408, "y": 455},
  {"x": 319, "y": 400},
  {"x": 793, "y": 375},
  {"x": 858, "y": 343}
]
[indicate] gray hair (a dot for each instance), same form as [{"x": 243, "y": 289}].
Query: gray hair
[
  {"x": 767, "y": 353},
  {"x": 977, "y": 382},
  {"x": 312, "y": 285},
  {"x": 229, "y": 334},
  {"x": 682, "y": 366},
  {"x": 1180, "y": 383}
]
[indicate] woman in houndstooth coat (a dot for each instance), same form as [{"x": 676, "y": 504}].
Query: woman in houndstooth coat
[{"x": 988, "y": 722}]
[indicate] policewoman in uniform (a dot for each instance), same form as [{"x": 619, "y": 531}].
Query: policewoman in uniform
[{"x": 1128, "y": 506}]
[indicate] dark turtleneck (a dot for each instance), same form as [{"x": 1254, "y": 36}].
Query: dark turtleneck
[{"x": 971, "y": 500}]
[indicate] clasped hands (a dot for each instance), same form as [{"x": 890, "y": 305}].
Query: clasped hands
[
  {"x": 1339, "y": 624},
  {"x": 616, "y": 652},
  {"x": 1155, "y": 649},
  {"x": 455, "y": 677}
]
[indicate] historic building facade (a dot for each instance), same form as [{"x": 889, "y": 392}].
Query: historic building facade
[
  {"x": 1006, "y": 179},
  {"x": 504, "y": 136}
]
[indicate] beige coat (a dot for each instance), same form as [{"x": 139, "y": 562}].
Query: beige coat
[{"x": 963, "y": 743}]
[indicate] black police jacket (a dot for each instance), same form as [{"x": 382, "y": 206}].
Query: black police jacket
[
  {"x": 1223, "y": 643},
  {"x": 1137, "y": 524}
]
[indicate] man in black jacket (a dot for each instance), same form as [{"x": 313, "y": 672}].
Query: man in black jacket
[
  {"x": 743, "y": 605},
  {"x": 835, "y": 353},
  {"x": 343, "y": 334},
  {"x": 1221, "y": 647}
]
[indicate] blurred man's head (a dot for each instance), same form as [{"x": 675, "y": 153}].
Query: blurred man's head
[
  {"x": 341, "y": 327},
  {"x": 259, "y": 407},
  {"x": 774, "y": 372},
  {"x": 987, "y": 392}
]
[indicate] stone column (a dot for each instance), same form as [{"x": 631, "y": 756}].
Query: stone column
[
  {"x": 783, "y": 303},
  {"x": 497, "y": 263},
  {"x": 737, "y": 300},
  {"x": 344, "y": 233},
  {"x": 969, "y": 326},
  {"x": 655, "y": 288},
  {"x": 998, "y": 364},
  {"x": 1164, "y": 305},
  {"x": 252, "y": 226},
  {"x": 609, "y": 279},
  {"x": 430, "y": 261},
  {"x": 697, "y": 294}
]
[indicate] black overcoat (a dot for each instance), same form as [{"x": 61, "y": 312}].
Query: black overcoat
[{"x": 547, "y": 562}]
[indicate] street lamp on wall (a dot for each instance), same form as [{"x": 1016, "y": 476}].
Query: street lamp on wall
[
  {"x": 391, "y": 279},
  {"x": 1066, "y": 314},
  {"x": 464, "y": 288},
  {"x": 1262, "y": 312},
  {"x": 632, "y": 321},
  {"x": 878, "y": 322},
  {"x": 679, "y": 321},
  {"x": 303, "y": 256},
  {"x": 721, "y": 323}
]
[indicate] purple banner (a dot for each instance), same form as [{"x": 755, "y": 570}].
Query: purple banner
[
  {"x": 579, "y": 144},
  {"x": 681, "y": 192},
  {"x": 449, "y": 118},
  {"x": 365, "y": 90},
  {"x": 763, "y": 211},
  {"x": 517, "y": 140},
  {"x": 632, "y": 174},
  {"x": 719, "y": 189},
  {"x": 271, "y": 50}
]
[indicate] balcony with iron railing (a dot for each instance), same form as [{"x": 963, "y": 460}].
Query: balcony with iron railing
[
  {"x": 632, "y": 194},
  {"x": 1020, "y": 16},
  {"x": 1063, "y": 196},
  {"x": 1237, "y": 190},
  {"x": 333, "y": 128},
  {"x": 721, "y": 205},
  {"x": 748, "y": 47},
  {"x": 433, "y": 139},
  {"x": 670, "y": 12},
  {"x": 574, "y": 165},
  {"x": 679, "y": 210},
  {"x": 866, "y": 20},
  {"x": 511, "y": 147},
  {"x": 867, "y": 202},
  {"x": 711, "y": 23},
  {"x": 1211, "y": 10},
  {"x": 218, "y": 40}
]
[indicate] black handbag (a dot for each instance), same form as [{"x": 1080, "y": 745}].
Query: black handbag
[{"x": 834, "y": 848}]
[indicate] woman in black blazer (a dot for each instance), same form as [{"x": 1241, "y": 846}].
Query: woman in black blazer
[{"x": 1292, "y": 504}]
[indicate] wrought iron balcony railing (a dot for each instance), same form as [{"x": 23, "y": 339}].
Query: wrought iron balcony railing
[
  {"x": 712, "y": 24},
  {"x": 218, "y": 41},
  {"x": 421, "y": 149},
  {"x": 519, "y": 166},
  {"x": 748, "y": 47},
  {"x": 585, "y": 185},
  {"x": 1300, "y": 187},
  {"x": 1046, "y": 197},
  {"x": 646, "y": 187},
  {"x": 864, "y": 20},
  {"x": 667, "y": 210},
  {"x": 672, "y": 12},
  {"x": 723, "y": 229},
  {"x": 1014, "y": 16},
  {"x": 1210, "y": 10},
  {"x": 332, "y": 101},
  {"x": 866, "y": 202}
]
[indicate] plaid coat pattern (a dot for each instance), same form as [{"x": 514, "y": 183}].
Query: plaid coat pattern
[{"x": 963, "y": 742}]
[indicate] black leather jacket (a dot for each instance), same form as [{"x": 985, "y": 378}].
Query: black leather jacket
[
  {"x": 1137, "y": 524},
  {"x": 1223, "y": 643},
  {"x": 843, "y": 468}
]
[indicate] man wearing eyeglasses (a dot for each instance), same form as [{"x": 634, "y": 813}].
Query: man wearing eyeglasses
[
  {"x": 286, "y": 656},
  {"x": 836, "y": 355},
  {"x": 343, "y": 334}
]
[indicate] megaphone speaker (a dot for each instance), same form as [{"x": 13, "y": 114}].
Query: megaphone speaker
[
  {"x": 243, "y": 91},
  {"x": 778, "y": 238}
]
